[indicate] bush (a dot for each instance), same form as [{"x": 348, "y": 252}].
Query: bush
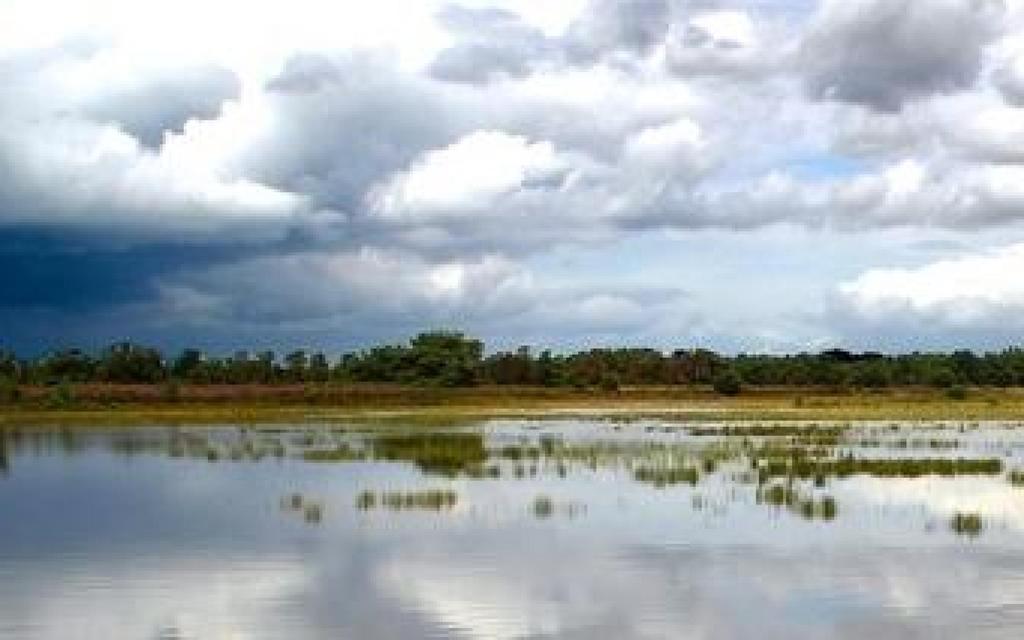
[
  {"x": 9, "y": 392},
  {"x": 62, "y": 396},
  {"x": 728, "y": 383},
  {"x": 943, "y": 379}
]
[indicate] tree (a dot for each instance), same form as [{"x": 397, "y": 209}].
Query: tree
[
  {"x": 447, "y": 358},
  {"x": 186, "y": 363},
  {"x": 296, "y": 362},
  {"x": 319, "y": 369},
  {"x": 125, "y": 362}
]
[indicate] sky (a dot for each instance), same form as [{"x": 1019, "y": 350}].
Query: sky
[{"x": 745, "y": 175}]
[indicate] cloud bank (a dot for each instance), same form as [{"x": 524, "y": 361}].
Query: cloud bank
[{"x": 326, "y": 166}]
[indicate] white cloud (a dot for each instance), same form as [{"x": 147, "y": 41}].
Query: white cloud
[
  {"x": 973, "y": 291},
  {"x": 468, "y": 175},
  {"x": 452, "y": 148}
]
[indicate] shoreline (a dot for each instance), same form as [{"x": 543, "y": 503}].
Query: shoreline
[{"x": 141, "y": 405}]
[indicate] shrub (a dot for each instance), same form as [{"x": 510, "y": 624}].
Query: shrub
[
  {"x": 62, "y": 396},
  {"x": 9, "y": 392},
  {"x": 728, "y": 383}
]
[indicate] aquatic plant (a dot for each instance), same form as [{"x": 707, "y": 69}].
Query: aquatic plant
[
  {"x": 810, "y": 508},
  {"x": 313, "y": 513},
  {"x": 366, "y": 500},
  {"x": 443, "y": 453},
  {"x": 879, "y": 467},
  {"x": 543, "y": 507},
  {"x": 340, "y": 453},
  {"x": 966, "y": 524},
  {"x": 312, "y": 510},
  {"x": 663, "y": 477},
  {"x": 425, "y": 500}
]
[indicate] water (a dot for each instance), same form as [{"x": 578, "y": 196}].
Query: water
[{"x": 513, "y": 529}]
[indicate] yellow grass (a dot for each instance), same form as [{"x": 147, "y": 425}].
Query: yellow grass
[{"x": 328, "y": 404}]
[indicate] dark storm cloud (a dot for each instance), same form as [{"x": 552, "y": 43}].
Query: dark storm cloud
[
  {"x": 881, "y": 53},
  {"x": 392, "y": 180},
  {"x": 149, "y": 107},
  {"x": 55, "y": 270}
]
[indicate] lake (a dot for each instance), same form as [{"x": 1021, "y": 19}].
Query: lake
[{"x": 514, "y": 529}]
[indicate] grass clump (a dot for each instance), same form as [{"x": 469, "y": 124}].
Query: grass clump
[
  {"x": 543, "y": 507},
  {"x": 427, "y": 500},
  {"x": 667, "y": 476},
  {"x": 784, "y": 495},
  {"x": 340, "y": 453},
  {"x": 967, "y": 524},
  {"x": 879, "y": 467},
  {"x": 447, "y": 454}
]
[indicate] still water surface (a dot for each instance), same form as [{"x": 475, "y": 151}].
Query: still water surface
[{"x": 514, "y": 529}]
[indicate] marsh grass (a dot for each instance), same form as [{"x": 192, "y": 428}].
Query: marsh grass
[
  {"x": 668, "y": 476},
  {"x": 340, "y": 453},
  {"x": 967, "y": 524},
  {"x": 312, "y": 511},
  {"x": 543, "y": 507},
  {"x": 847, "y": 466},
  {"x": 424, "y": 500},
  {"x": 810, "y": 508},
  {"x": 447, "y": 454}
]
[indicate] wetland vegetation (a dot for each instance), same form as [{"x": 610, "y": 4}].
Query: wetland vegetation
[
  {"x": 440, "y": 372},
  {"x": 399, "y": 506}
]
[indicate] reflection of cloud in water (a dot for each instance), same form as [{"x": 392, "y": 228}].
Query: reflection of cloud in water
[
  {"x": 648, "y": 592},
  {"x": 939, "y": 498},
  {"x": 174, "y": 598}
]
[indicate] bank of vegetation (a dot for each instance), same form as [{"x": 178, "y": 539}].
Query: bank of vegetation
[{"x": 444, "y": 368}]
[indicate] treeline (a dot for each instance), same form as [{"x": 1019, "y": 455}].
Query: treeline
[{"x": 452, "y": 359}]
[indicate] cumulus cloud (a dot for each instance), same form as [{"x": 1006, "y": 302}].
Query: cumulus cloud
[
  {"x": 150, "y": 106},
  {"x": 881, "y": 53},
  {"x": 971, "y": 291},
  {"x": 723, "y": 43},
  {"x": 491, "y": 43},
  {"x": 480, "y": 138},
  {"x": 470, "y": 174},
  {"x": 1009, "y": 78}
]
